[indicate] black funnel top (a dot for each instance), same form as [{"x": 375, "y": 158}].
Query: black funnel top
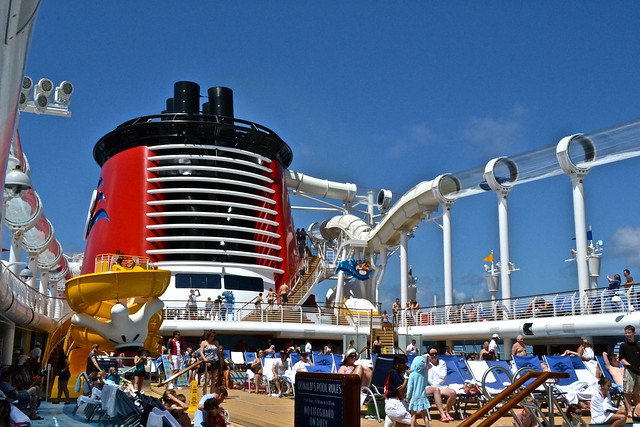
[
  {"x": 186, "y": 97},
  {"x": 220, "y": 101}
]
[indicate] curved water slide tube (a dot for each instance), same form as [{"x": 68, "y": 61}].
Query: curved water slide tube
[
  {"x": 404, "y": 215},
  {"x": 118, "y": 308},
  {"x": 575, "y": 154}
]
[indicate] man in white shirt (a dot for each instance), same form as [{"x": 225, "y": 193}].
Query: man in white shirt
[
  {"x": 411, "y": 348},
  {"x": 307, "y": 347},
  {"x": 493, "y": 344},
  {"x": 280, "y": 367}
]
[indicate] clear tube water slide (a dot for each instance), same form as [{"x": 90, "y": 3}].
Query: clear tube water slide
[{"x": 579, "y": 152}]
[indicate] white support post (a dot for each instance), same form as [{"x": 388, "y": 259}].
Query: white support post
[
  {"x": 503, "y": 220},
  {"x": 580, "y": 223},
  {"x": 33, "y": 266},
  {"x": 447, "y": 253},
  {"x": 340, "y": 285},
  {"x": 8, "y": 336},
  {"x": 44, "y": 281},
  {"x": 404, "y": 268}
]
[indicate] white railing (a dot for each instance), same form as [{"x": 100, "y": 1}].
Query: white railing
[
  {"x": 321, "y": 315},
  {"x": 595, "y": 301},
  {"x": 52, "y": 307}
]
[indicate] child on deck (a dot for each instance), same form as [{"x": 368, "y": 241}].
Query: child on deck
[
  {"x": 416, "y": 391},
  {"x": 214, "y": 415},
  {"x": 602, "y": 409}
]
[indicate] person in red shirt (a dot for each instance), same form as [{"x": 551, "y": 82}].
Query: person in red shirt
[{"x": 214, "y": 415}]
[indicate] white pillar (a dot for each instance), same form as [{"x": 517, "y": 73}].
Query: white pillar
[
  {"x": 44, "y": 281},
  {"x": 15, "y": 253},
  {"x": 33, "y": 266},
  {"x": 503, "y": 220},
  {"x": 580, "y": 223},
  {"x": 383, "y": 267},
  {"x": 404, "y": 269},
  {"x": 340, "y": 285},
  {"x": 8, "y": 335},
  {"x": 447, "y": 254}
]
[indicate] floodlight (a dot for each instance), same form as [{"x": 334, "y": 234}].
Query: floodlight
[
  {"x": 27, "y": 84},
  {"x": 384, "y": 199},
  {"x": 45, "y": 86},
  {"x": 42, "y": 94},
  {"x": 573, "y": 252},
  {"x": 63, "y": 92},
  {"x": 25, "y": 91},
  {"x": 599, "y": 244}
]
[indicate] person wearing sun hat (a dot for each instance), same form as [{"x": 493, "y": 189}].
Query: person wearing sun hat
[{"x": 349, "y": 367}]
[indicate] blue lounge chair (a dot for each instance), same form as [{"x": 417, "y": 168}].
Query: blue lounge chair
[
  {"x": 375, "y": 391},
  {"x": 572, "y": 387},
  {"x": 323, "y": 363}
]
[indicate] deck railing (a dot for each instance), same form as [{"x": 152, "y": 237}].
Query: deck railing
[
  {"x": 594, "y": 301},
  {"x": 320, "y": 315},
  {"x": 49, "y": 306}
]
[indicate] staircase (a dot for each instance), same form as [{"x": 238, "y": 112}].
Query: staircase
[
  {"x": 307, "y": 281},
  {"x": 387, "y": 339}
]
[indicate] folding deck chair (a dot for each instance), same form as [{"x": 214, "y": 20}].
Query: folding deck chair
[
  {"x": 237, "y": 360},
  {"x": 458, "y": 375},
  {"x": 374, "y": 393},
  {"x": 323, "y": 363},
  {"x": 616, "y": 395},
  {"x": 160, "y": 418},
  {"x": 572, "y": 388}
]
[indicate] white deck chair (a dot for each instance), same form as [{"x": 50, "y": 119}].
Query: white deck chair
[
  {"x": 267, "y": 371},
  {"x": 237, "y": 359},
  {"x": 160, "y": 418}
]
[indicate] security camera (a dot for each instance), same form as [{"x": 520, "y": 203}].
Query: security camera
[
  {"x": 16, "y": 182},
  {"x": 63, "y": 92}
]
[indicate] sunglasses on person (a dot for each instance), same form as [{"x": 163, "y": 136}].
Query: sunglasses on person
[
  {"x": 433, "y": 354},
  {"x": 352, "y": 355}
]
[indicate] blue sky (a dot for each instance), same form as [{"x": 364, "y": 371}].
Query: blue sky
[{"x": 378, "y": 94}]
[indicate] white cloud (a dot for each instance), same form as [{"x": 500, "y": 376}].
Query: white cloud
[
  {"x": 625, "y": 243},
  {"x": 411, "y": 137},
  {"x": 497, "y": 135}
]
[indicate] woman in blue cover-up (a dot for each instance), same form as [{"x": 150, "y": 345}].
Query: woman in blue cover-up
[{"x": 416, "y": 391}]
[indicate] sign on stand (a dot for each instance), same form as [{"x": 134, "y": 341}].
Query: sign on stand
[
  {"x": 327, "y": 400},
  {"x": 181, "y": 381}
]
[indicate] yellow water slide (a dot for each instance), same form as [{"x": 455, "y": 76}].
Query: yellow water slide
[{"x": 119, "y": 281}]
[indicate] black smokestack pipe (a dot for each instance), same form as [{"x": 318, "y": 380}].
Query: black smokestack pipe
[
  {"x": 221, "y": 101},
  {"x": 186, "y": 97},
  {"x": 169, "y": 105},
  {"x": 205, "y": 108}
]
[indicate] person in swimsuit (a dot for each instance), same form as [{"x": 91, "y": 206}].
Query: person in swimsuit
[
  {"x": 139, "y": 372},
  {"x": 349, "y": 367},
  {"x": 209, "y": 352}
]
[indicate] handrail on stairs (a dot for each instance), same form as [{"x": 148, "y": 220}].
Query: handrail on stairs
[{"x": 540, "y": 377}]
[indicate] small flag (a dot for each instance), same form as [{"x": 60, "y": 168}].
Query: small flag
[
  {"x": 589, "y": 235},
  {"x": 489, "y": 258}
]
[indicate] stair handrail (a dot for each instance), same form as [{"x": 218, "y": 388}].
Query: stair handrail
[
  {"x": 538, "y": 379},
  {"x": 313, "y": 278},
  {"x": 183, "y": 371}
]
